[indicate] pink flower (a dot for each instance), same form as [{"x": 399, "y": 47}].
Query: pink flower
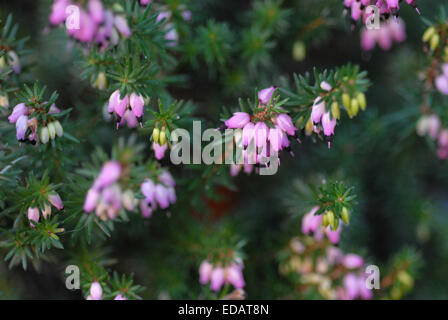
[
  {"x": 58, "y": 14},
  {"x": 148, "y": 189},
  {"x": 56, "y": 201},
  {"x": 145, "y": 2},
  {"x": 136, "y": 102},
  {"x": 18, "y": 111},
  {"x": 238, "y": 120},
  {"x": 328, "y": 124},
  {"x": 234, "y": 276},
  {"x": 442, "y": 83},
  {"x": 285, "y": 123},
  {"x": 311, "y": 222},
  {"x": 217, "y": 278},
  {"x": 162, "y": 196},
  {"x": 318, "y": 110},
  {"x": 96, "y": 291},
  {"x": 368, "y": 39},
  {"x": 205, "y": 271},
  {"x": 159, "y": 150},
  {"x": 261, "y": 133},
  {"x": 333, "y": 236},
  {"x": 33, "y": 215},
  {"x": 146, "y": 210},
  {"x": 166, "y": 178},
  {"x": 122, "y": 25},
  {"x": 21, "y": 127},
  {"x": 248, "y": 133},
  {"x": 353, "y": 261},
  {"x": 91, "y": 200},
  {"x": 265, "y": 95},
  {"x": 120, "y": 297},
  {"x": 96, "y": 11},
  {"x": 324, "y": 85},
  {"x": 110, "y": 173},
  {"x": 276, "y": 138},
  {"x": 351, "y": 285}
]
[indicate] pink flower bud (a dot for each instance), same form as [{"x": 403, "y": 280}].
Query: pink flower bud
[
  {"x": 56, "y": 201},
  {"x": 238, "y": 120},
  {"x": 311, "y": 222},
  {"x": 137, "y": 102},
  {"x": 284, "y": 121},
  {"x": 110, "y": 173},
  {"x": 96, "y": 11},
  {"x": 19, "y": 110},
  {"x": 328, "y": 124},
  {"x": 122, "y": 25},
  {"x": 265, "y": 95},
  {"x": 353, "y": 261},
  {"x": 166, "y": 178},
  {"x": 261, "y": 132},
  {"x": 162, "y": 197},
  {"x": 96, "y": 291},
  {"x": 318, "y": 110},
  {"x": 21, "y": 127},
  {"x": 33, "y": 215},
  {"x": 442, "y": 84},
  {"x": 159, "y": 150},
  {"x": 217, "y": 278},
  {"x": 205, "y": 271},
  {"x": 234, "y": 275},
  {"x": 91, "y": 200}
]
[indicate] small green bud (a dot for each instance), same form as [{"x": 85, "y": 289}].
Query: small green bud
[
  {"x": 44, "y": 135},
  {"x": 361, "y": 97},
  {"x": 434, "y": 42},
  {"x": 335, "y": 110},
  {"x": 354, "y": 106},
  {"x": 331, "y": 218},
  {"x": 299, "y": 51},
  {"x": 427, "y": 35},
  {"x": 52, "y": 130},
  {"x": 346, "y": 100},
  {"x": 325, "y": 221},
  {"x": 345, "y": 215},
  {"x": 162, "y": 137},
  {"x": 59, "y": 129},
  {"x": 156, "y": 134},
  {"x": 405, "y": 278}
]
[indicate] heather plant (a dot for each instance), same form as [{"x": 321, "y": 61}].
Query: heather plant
[{"x": 98, "y": 97}]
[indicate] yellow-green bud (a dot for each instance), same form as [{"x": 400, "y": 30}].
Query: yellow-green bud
[
  {"x": 427, "y": 35},
  {"x": 156, "y": 134},
  {"x": 309, "y": 127},
  {"x": 345, "y": 215},
  {"x": 162, "y": 137},
  {"x": 59, "y": 129},
  {"x": 354, "y": 106},
  {"x": 101, "y": 81},
  {"x": 325, "y": 221},
  {"x": 299, "y": 51},
  {"x": 331, "y": 219},
  {"x": 2, "y": 62},
  {"x": 335, "y": 110},
  {"x": 434, "y": 42},
  {"x": 361, "y": 97},
  {"x": 405, "y": 278},
  {"x": 346, "y": 100},
  {"x": 52, "y": 130},
  {"x": 44, "y": 135}
]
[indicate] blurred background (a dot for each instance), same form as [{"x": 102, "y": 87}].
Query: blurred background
[{"x": 400, "y": 183}]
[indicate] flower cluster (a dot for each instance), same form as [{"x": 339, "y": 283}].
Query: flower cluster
[
  {"x": 157, "y": 194},
  {"x": 160, "y": 143},
  {"x": 219, "y": 275},
  {"x": 325, "y": 118},
  {"x": 128, "y": 110},
  {"x": 34, "y": 212},
  {"x": 93, "y": 24},
  {"x": 11, "y": 59},
  {"x": 323, "y": 224},
  {"x": 386, "y": 8},
  {"x": 105, "y": 197},
  {"x": 30, "y": 129},
  {"x": 390, "y": 31},
  {"x": 335, "y": 275},
  {"x": 431, "y": 125},
  {"x": 257, "y": 138}
]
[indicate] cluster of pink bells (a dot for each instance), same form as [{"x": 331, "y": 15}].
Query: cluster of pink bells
[
  {"x": 34, "y": 212},
  {"x": 266, "y": 140},
  {"x": 219, "y": 276},
  {"x": 128, "y": 110},
  {"x": 106, "y": 197},
  {"x": 24, "y": 124},
  {"x": 95, "y": 24},
  {"x": 386, "y": 7},
  {"x": 431, "y": 126},
  {"x": 390, "y": 31},
  {"x": 354, "y": 285}
]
